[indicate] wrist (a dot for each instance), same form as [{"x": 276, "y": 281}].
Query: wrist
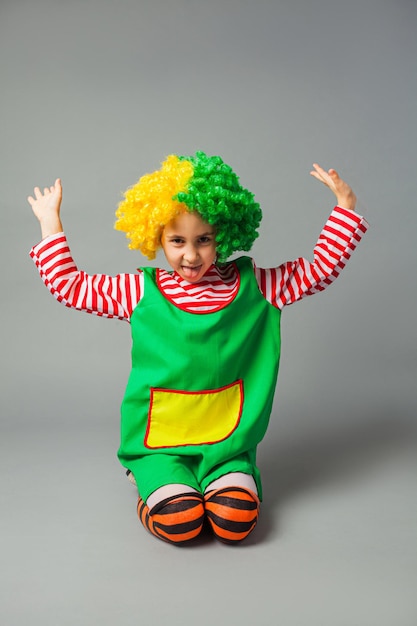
[
  {"x": 50, "y": 227},
  {"x": 347, "y": 202}
]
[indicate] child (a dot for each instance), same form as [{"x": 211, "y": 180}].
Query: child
[{"x": 205, "y": 337}]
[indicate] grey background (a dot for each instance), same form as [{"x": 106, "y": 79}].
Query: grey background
[{"x": 99, "y": 93}]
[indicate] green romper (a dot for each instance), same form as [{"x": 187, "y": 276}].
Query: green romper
[{"x": 200, "y": 392}]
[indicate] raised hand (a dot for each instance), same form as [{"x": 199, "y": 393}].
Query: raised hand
[
  {"x": 46, "y": 207},
  {"x": 343, "y": 192}
]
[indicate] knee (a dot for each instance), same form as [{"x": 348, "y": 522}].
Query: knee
[{"x": 232, "y": 513}]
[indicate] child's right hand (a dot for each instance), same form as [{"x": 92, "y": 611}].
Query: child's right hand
[
  {"x": 46, "y": 207},
  {"x": 343, "y": 192}
]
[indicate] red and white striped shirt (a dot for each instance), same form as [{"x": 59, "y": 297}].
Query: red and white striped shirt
[{"x": 117, "y": 296}]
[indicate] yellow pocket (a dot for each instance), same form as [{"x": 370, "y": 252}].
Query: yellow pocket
[{"x": 191, "y": 418}]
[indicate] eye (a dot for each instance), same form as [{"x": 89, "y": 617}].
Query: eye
[{"x": 205, "y": 239}]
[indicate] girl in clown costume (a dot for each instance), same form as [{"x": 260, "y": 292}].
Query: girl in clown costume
[{"x": 205, "y": 336}]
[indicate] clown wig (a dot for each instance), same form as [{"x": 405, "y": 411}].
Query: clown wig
[{"x": 194, "y": 183}]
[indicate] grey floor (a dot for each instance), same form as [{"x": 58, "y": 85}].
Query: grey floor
[{"x": 335, "y": 545}]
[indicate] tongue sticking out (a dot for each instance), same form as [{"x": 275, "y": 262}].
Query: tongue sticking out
[{"x": 191, "y": 273}]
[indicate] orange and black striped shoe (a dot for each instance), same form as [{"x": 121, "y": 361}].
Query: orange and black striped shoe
[
  {"x": 232, "y": 513},
  {"x": 177, "y": 519}
]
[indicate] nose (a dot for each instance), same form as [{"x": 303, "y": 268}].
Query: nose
[{"x": 191, "y": 254}]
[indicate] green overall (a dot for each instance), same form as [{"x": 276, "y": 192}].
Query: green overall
[{"x": 200, "y": 392}]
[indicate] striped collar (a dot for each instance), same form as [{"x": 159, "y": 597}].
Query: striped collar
[{"x": 216, "y": 290}]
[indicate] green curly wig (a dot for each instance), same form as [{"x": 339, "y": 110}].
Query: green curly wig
[{"x": 190, "y": 183}]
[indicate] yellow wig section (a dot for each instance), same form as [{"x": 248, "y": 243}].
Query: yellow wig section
[{"x": 148, "y": 206}]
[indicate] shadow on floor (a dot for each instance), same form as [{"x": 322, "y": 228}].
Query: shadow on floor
[{"x": 326, "y": 455}]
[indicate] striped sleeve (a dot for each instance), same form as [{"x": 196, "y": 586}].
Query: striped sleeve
[
  {"x": 99, "y": 294},
  {"x": 297, "y": 279}
]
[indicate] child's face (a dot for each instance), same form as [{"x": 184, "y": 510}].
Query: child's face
[{"x": 189, "y": 245}]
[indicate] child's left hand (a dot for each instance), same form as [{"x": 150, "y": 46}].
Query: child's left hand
[{"x": 344, "y": 194}]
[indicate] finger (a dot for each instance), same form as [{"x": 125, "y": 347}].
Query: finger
[
  {"x": 31, "y": 200},
  {"x": 46, "y": 191},
  {"x": 318, "y": 172},
  {"x": 57, "y": 186},
  {"x": 333, "y": 173},
  {"x": 317, "y": 176},
  {"x": 318, "y": 168},
  {"x": 320, "y": 175}
]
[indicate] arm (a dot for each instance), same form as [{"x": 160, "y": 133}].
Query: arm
[
  {"x": 343, "y": 230},
  {"x": 98, "y": 294}
]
